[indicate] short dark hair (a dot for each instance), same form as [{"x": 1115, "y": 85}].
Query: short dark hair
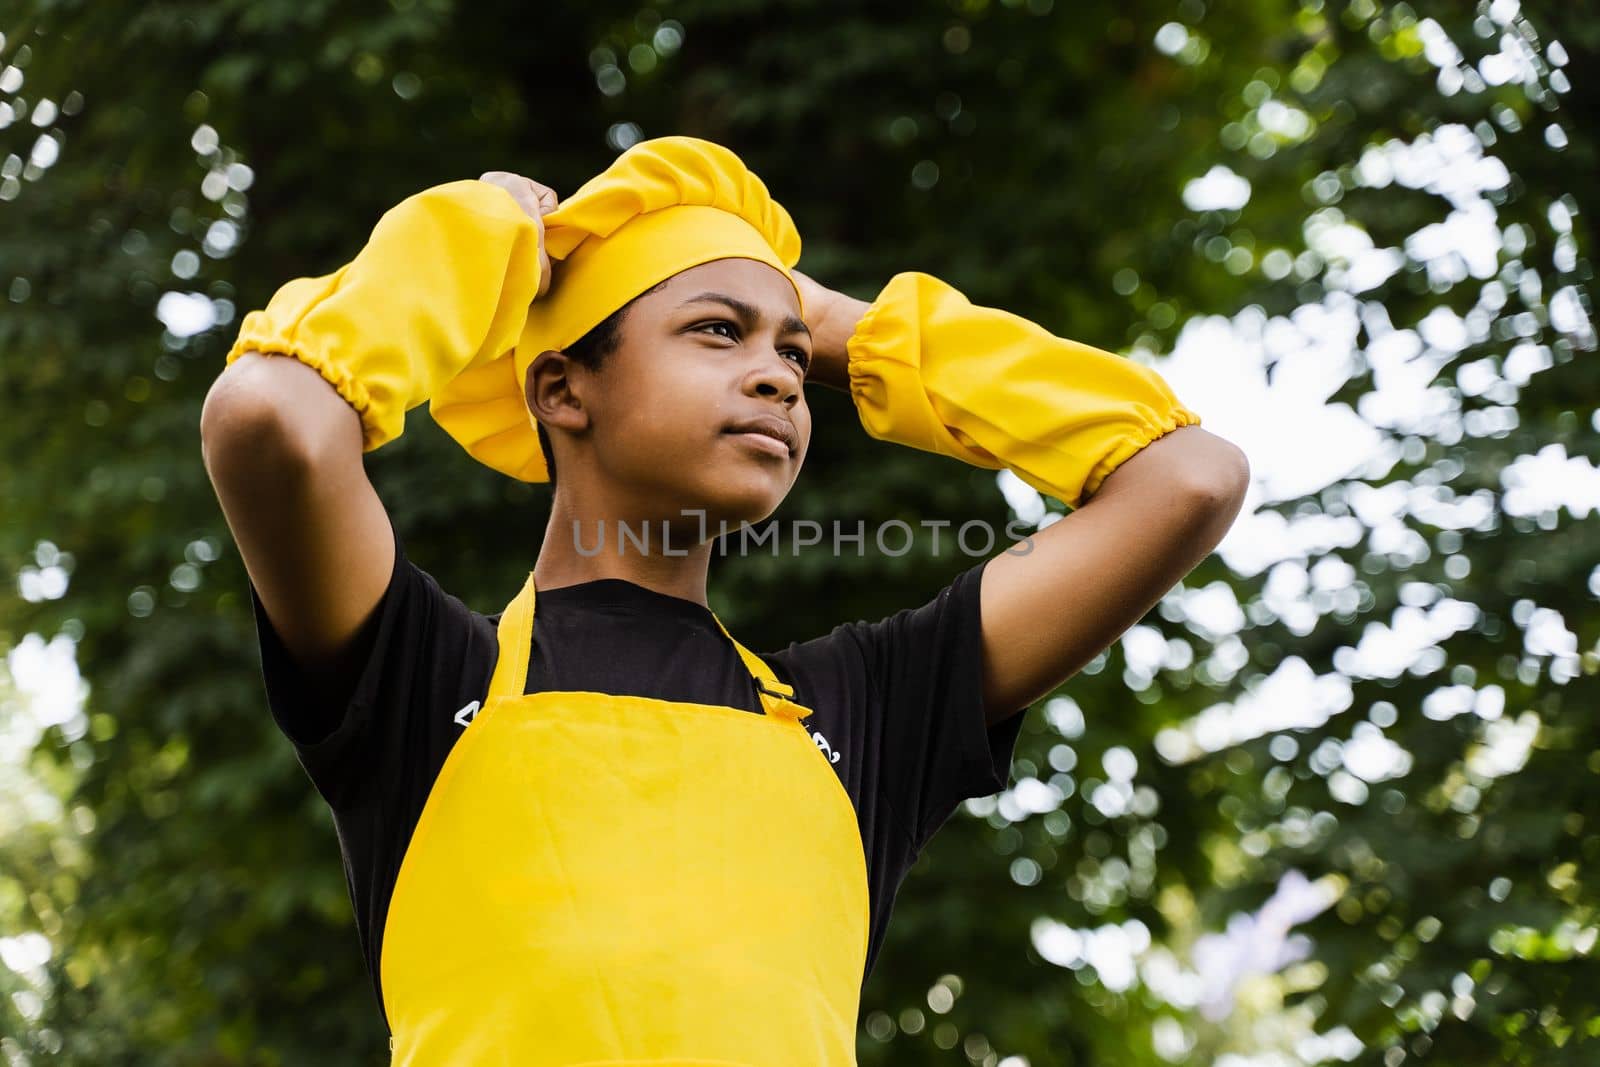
[{"x": 590, "y": 351}]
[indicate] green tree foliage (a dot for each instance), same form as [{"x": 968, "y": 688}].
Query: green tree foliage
[{"x": 1037, "y": 155}]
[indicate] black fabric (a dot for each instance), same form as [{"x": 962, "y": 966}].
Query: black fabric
[{"x": 897, "y": 710}]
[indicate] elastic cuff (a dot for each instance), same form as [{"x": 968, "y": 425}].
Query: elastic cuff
[
  {"x": 353, "y": 391},
  {"x": 884, "y": 365},
  {"x": 1133, "y": 443},
  {"x": 865, "y": 346}
]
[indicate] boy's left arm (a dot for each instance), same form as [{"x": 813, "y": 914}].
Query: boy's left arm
[{"x": 1151, "y": 493}]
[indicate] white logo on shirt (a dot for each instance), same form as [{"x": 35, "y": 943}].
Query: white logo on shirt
[
  {"x": 827, "y": 749},
  {"x": 465, "y": 715}
]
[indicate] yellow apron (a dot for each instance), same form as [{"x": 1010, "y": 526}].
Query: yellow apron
[{"x": 600, "y": 879}]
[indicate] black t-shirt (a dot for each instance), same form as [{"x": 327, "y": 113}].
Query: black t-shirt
[{"x": 897, "y": 709}]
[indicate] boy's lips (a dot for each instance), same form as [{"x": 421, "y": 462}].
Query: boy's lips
[
  {"x": 761, "y": 442},
  {"x": 773, "y": 428}
]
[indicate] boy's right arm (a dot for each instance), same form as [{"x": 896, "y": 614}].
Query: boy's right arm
[
  {"x": 444, "y": 282},
  {"x": 283, "y": 450}
]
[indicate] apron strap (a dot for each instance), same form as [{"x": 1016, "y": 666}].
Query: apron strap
[
  {"x": 510, "y": 677},
  {"x": 515, "y": 634},
  {"x": 776, "y": 697}
]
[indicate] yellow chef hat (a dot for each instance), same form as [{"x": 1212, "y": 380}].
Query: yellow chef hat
[{"x": 661, "y": 207}]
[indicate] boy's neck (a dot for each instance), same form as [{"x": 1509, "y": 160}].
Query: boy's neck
[{"x": 583, "y": 544}]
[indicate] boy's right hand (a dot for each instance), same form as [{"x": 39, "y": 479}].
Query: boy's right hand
[{"x": 537, "y": 200}]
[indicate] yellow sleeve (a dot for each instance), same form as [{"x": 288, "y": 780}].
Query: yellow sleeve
[
  {"x": 932, "y": 370},
  {"x": 444, "y": 282}
]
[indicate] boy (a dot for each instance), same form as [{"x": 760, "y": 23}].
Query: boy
[{"x": 596, "y": 828}]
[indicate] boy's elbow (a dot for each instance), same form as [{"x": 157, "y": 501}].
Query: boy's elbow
[
  {"x": 1211, "y": 467},
  {"x": 1230, "y": 478},
  {"x": 275, "y": 417}
]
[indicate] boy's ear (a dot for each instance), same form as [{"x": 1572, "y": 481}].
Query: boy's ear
[{"x": 548, "y": 392}]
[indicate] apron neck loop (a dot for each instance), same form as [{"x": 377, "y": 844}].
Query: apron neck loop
[
  {"x": 510, "y": 678},
  {"x": 777, "y": 698},
  {"x": 515, "y": 634}
]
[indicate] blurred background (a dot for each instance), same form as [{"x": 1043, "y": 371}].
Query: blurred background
[{"x": 1337, "y": 799}]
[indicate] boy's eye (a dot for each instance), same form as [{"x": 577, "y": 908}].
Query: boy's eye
[{"x": 804, "y": 358}]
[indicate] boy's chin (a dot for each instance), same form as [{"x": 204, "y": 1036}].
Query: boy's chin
[{"x": 731, "y": 502}]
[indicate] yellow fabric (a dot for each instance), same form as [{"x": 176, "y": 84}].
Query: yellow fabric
[
  {"x": 931, "y": 370},
  {"x": 443, "y": 282},
  {"x": 661, "y": 207},
  {"x": 609, "y": 880},
  {"x": 437, "y": 307}
]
